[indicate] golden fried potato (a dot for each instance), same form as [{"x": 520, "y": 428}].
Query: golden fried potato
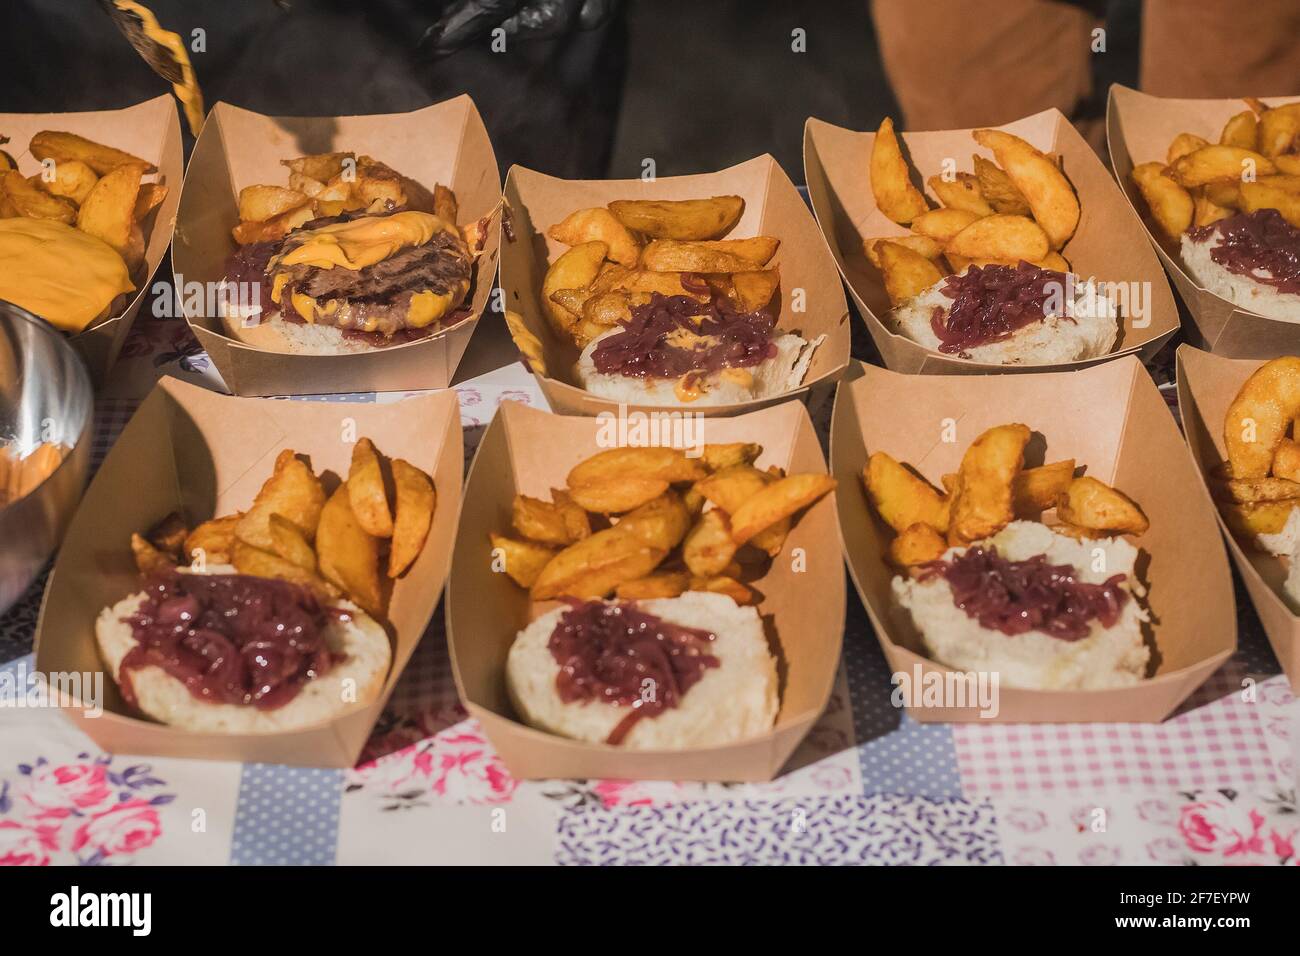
[
  {"x": 1241, "y": 131},
  {"x": 1286, "y": 460},
  {"x": 719, "y": 456},
  {"x": 998, "y": 190},
  {"x": 1251, "y": 491},
  {"x": 1223, "y": 194},
  {"x": 907, "y": 273},
  {"x": 961, "y": 192},
  {"x": 687, "y": 219},
  {"x": 292, "y": 491},
  {"x": 445, "y": 206},
  {"x": 1205, "y": 212},
  {"x": 574, "y": 301},
  {"x": 926, "y": 246},
  {"x": 366, "y": 491},
  {"x": 522, "y": 560},
  {"x": 982, "y": 500},
  {"x": 779, "y": 500},
  {"x": 754, "y": 290},
  {"x": 917, "y": 544},
  {"x": 1264, "y": 517},
  {"x": 108, "y": 212},
  {"x": 709, "y": 545},
  {"x": 1006, "y": 238},
  {"x": 576, "y": 521},
  {"x": 33, "y": 202},
  {"x": 598, "y": 225},
  {"x": 1037, "y": 489},
  {"x": 1210, "y": 163},
  {"x": 595, "y": 566},
  {"x": 720, "y": 256},
  {"x": 288, "y": 542},
  {"x": 1277, "y": 132},
  {"x": 1258, "y": 418},
  {"x": 541, "y": 521},
  {"x": 321, "y": 167},
  {"x": 278, "y": 226},
  {"x": 1288, "y": 163},
  {"x": 661, "y": 584},
  {"x": 1039, "y": 180},
  {"x": 212, "y": 541},
  {"x": 667, "y": 464},
  {"x": 414, "y": 501},
  {"x": 149, "y": 558},
  {"x": 573, "y": 270},
  {"x": 891, "y": 182},
  {"x": 660, "y": 523},
  {"x": 942, "y": 224},
  {"x": 1256, "y": 196},
  {"x": 63, "y": 147},
  {"x": 346, "y": 555},
  {"x": 643, "y": 282},
  {"x": 902, "y": 498},
  {"x": 1096, "y": 506},
  {"x": 724, "y": 584},
  {"x": 266, "y": 564},
  {"x": 73, "y": 180},
  {"x": 1183, "y": 144},
  {"x": 616, "y": 495},
  {"x": 149, "y": 198},
  {"x": 731, "y": 487},
  {"x": 306, "y": 185},
  {"x": 260, "y": 203}
]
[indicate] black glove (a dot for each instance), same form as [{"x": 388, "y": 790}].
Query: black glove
[{"x": 465, "y": 21}]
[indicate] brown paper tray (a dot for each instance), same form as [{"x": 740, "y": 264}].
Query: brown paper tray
[
  {"x": 192, "y": 450},
  {"x": 1107, "y": 245},
  {"x": 149, "y": 130},
  {"x": 772, "y": 207},
  {"x": 1207, "y": 384},
  {"x": 1111, "y": 418},
  {"x": 445, "y": 143},
  {"x": 529, "y": 451},
  {"x": 1139, "y": 129}
]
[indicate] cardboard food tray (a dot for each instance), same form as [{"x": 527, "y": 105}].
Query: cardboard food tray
[
  {"x": 1110, "y": 418},
  {"x": 205, "y": 454},
  {"x": 445, "y": 143},
  {"x": 1107, "y": 243},
  {"x": 773, "y": 207},
  {"x": 149, "y": 130},
  {"x": 1207, "y": 384},
  {"x": 1139, "y": 129},
  {"x": 529, "y": 451}
]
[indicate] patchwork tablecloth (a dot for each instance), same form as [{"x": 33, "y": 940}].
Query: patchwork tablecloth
[{"x": 1216, "y": 783}]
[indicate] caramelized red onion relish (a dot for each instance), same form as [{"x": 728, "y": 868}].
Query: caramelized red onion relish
[
  {"x": 991, "y": 303},
  {"x": 1031, "y": 595},
  {"x": 641, "y": 348},
  {"x": 230, "y": 638},
  {"x": 608, "y": 652},
  {"x": 1256, "y": 242}
]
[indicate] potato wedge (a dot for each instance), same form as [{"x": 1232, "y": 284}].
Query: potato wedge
[
  {"x": 366, "y": 491},
  {"x": 982, "y": 501},
  {"x": 961, "y": 192},
  {"x": 108, "y": 212},
  {"x": 348, "y": 557},
  {"x": 721, "y": 256},
  {"x": 753, "y": 291},
  {"x": 998, "y": 190},
  {"x": 781, "y": 499},
  {"x": 617, "y": 495},
  {"x": 277, "y": 227},
  {"x": 292, "y": 491},
  {"x": 667, "y": 464},
  {"x": 414, "y": 502},
  {"x": 598, "y": 225},
  {"x": 576, "y": 522},
  {"x": 540, "y": 521},
  {"x": 731, "y": 487},
  {"x": 891, "y": 179},
  {"x": 661, "y": 584},
  {"x": 907, "y": 273},
  {"x": 917, "y": 544},
  {"x": 522, "y": 560},
  {"x": 73, "y": 180},
  {"x": 1277, "y": 132},
  {"x": 1006, "y": 238},
  {"x": 1096, "y": 506},
  {"x": 926, "y": 246},
  {"x": 212, "y": 541},
  {"x": 942, "y": 224},
  {"x": 1039, "y": 179},
  {"x": 1286, "y": 460},
  {"x": 260, "y": 203},
  {"x": 1248, "y": 520},
  {"x": 266, "y": 564},
  {"x": 709, "y": 545},
  {"x": 687, "y": 219},
  {"x": 573, "y": 270},
  {"x": 1205, "y": 212},
  {"x": 595, "y": 566},
  {"x": 149, "y": 198},
  {"x": 1256, "y": 196},
  {"x": 660, "y": 523},
  {"x": 33, "y": 202},
  {"x": 1288, "y": 163},
  {"x": 902, "y": 498},
  {"x": 719, "y": 456},
  {"x": 1183, "y": 144},
  {"x": 1037, "y": 489},
  {"x": 321, "y": 166},
  {"x": 62, "y": 147},
  {"x": 1258, "y": 418},
  {"x": 148, "y": 558},
  {"x": 742, "y": 594},
  {"x": 1242, "y": 131},
  {"x": 289, "y": 543},
  {"x": 1249, "y": 491},
  {"x": 1218, "y": 162}
]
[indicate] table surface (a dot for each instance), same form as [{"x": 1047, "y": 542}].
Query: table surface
[{"x": 1213, "y": 784}]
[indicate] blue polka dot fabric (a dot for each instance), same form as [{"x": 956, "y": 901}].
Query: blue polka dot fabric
[{"x": 287, "y": 816}]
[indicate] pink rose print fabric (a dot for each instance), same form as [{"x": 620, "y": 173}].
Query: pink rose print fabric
[{"x": 457, "y": 765}]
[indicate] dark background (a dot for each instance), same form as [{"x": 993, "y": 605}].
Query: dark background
[{"x": 694, "y": 84}]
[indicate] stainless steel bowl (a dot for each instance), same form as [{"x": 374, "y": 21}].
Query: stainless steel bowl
[{"x": 45, "y": 396}]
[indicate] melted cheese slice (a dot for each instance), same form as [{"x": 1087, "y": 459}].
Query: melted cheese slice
[
  {"x": 64, "y": 275},
  {"x": 363, "y": 242}
]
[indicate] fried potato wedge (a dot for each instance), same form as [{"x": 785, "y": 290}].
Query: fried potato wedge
[
  {"x": 149, "y": 198},
  {"x": 1008, "y": 238},
  {"x": 1286, "y": 460},
  {"x": 1249, "y": 491},
  {"x": 62, "y": 147},
  {"x": 1241, "y": 131},
  {"x": 926, "y": 246},
  {"x": 260, "y": 203},
  {"x": 1037, "y": 489},
  {"x": 742, "y": 594},
  {"x": 366, "y": 491},
  {"x": 998, "y": 190},
  {"x": 573, "y": 270},
  {"x": 942, "y": 224},
  {"x": 709, "y": 545},
  {"x": 719, "y": 456},
  {"x": 617, "y": 495},
  {"x": 1249, "y": 520},
  {"x": 781, "y": 499},
  {"x": 414, "y": 502},
  {"x": 1170, "y": 204},
  {"x": 667, "y": 464},
  {"x": 522, "y": 560},
  {"x": 108, "y": 212},
  {"x": 266, "y": 564},
  {"x": 33, "y": 202},
  {"x": 1219, "y": 162},
  {"x": 686, "y": 219},
  {"x": 212, "y": 541},
  {"x": 1096, "y": 506},
  {"x": 321, "y": 166},
  {"x": 902, "y": 498},
  {"x": 1256, "y": 196},
  {"x": 148, "y": 558},
  {"x": 1258, "y": 418},
  {"x": 73, "y": 180},
  {"x": 1039, "y": 179},
  {"x": 289, "y": 543},
  {"x": 346, "y": 555},
  {"x": 661, "y": 584},
  {"x": 754, "y": 290},
  {"x": 1183, "y": 144},
  {"x": 907, "y": 273},
  {"x": 961, "y": 192},
  {"x": 576, "y": 521},
  {"x": 598, "y": 224},
  {"x": 917, "y": 544},
  {"x": 672, "y": 255},
  {"x": 1288, "y": 163},
  {"x": 292, "y": 491},
  {"x": 1277, "y": 132},
  {"x": 731, "y": 487},
  {"x": 279, "y": 226},
  {"x": 595, "y": 566},
  {"x": 661, "y": 522},
  {"x": 891, "y": 179},
  {"x": 982, "y": 500},
  {"x": 540, "y": 521},
  {"x": 1205, "y": 212}
]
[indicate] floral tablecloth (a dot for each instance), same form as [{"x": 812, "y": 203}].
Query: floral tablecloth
[{"x": 1216, "y": 783}]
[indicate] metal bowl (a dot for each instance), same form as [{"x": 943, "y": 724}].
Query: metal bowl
[{"x": 45, "y": 396}]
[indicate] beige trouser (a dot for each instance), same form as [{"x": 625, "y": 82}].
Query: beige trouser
[{"x": 961, "y": 63}]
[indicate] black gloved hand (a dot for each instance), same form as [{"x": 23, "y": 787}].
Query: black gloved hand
[{"x": 465, "y": 21}]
